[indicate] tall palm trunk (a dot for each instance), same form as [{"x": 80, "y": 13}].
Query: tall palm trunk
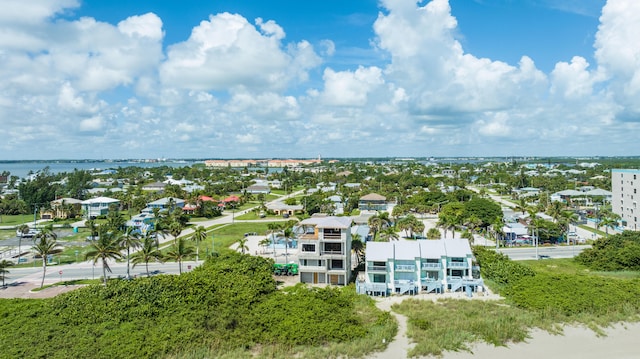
[
  {"x": 104, "y": 271},
  {"x": 146, "y": 264},
  {"x": 128, "y": 274},
  {"x": 44, "y": 271}
]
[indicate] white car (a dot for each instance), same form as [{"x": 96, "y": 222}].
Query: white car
[{"x": 32, "y": 232}]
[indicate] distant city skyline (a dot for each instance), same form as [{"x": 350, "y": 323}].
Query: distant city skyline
[{"x": 290, "y": 79}]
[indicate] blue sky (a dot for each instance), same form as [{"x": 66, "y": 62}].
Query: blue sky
[{"x": 286, "y": 78}]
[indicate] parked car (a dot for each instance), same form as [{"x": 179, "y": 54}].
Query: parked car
[{"x": 32, "y": 232}]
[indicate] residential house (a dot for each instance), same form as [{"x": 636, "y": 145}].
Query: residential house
[
  {"x": 166, "y": 203},
  {"x": 324, "y": 250},
  {"x": 280, "y": 208},
  {"x": 258, "y": 189},
  {"x": 411, "y": 267},
  {"x": 155, "y": 187},
  {"x": 336, "y": 202},
  {"x": 63, "y": 208},
  {"x": 372, "y": 202},
  {"x": 98, "y": 206},
  {"x": 143, "y": 222}
]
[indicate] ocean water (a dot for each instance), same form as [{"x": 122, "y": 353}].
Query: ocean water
[{"x": 22, "y": 169}]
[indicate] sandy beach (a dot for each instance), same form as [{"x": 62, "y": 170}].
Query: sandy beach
[{"x": 576, "y": 342}]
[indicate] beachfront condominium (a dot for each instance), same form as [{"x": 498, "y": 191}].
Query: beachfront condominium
[
  {"x": 418, "y": 267},
  {"x": 324, "y": 250},
  {"x": 625, "y": 186}
]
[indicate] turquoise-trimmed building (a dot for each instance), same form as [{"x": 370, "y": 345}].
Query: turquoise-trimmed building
[{"x": 411, "y": 267}]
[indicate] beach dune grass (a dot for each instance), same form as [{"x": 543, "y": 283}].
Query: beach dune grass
[{"x": 454, "y": 324}]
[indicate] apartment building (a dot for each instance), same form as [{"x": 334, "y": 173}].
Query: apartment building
[
  {"x": 324, "y": 250},
  {"x": 411, "y": 267},
  {"x": 625, "y": 188}
]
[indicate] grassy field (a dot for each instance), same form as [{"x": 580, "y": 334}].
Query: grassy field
[
  {"x": 569, "y": 266},
  {"x": 15, "y": 220},
  {"x": 556, "y": 292}
]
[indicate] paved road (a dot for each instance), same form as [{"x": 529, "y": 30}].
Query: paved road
[
  {"x": 528, "y": 253},
  {"x": 86, "y": 270}
]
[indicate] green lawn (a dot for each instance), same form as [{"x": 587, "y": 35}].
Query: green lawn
[
  {"x": 569, "y": 266},
  {"x": 15, "y": 220}
]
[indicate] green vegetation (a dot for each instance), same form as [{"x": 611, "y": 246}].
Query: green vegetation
[
  {"x": 17, "y": 219},
  {"x": 228, "y": 305},
  {"x": 538, "y": 294},
  {"x": 613, "y": 253},
  {"x": 452, "y": 324}
]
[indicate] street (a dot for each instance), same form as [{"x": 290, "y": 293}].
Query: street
[
  {"x": 85, "y": 270},
  {"x": 529, "y": 253}
]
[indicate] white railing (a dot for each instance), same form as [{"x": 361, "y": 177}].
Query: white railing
[
  {"x": 377, "y": 268},
  {"x": 457, "y": 265},
  {"x": 431, "y": 265},
  {"x": 405, "y": 268}
]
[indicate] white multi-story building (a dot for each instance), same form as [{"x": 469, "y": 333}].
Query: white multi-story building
[
  {"x": 418, "y": 266},
  {"x": 625, "y": 188},
  {"x": 324, "y": 250}
]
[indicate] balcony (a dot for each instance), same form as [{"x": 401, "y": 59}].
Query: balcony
[
  {"x": 431, "y": 266},
  {"x": 308, "y": 253},
  {"x": 372, "y": 268},
  {"x": 457, "y": 265},
  {"x": 405, "y": 268},
  {"x": 333, "y": 253},
  {"x": 308, "y": 236},
  {"x": 313, "y": 268},
  {"x": 332, "y": 236}
]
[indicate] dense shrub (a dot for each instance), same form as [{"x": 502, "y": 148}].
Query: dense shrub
[
  {"x": 614, "y": 253},
  {"x": 498, "y": 268},
  {"x": 229, "y": 303},
  {"x": 576, "y": 294}
]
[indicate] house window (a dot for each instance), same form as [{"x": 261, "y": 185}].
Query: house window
[
  {"x": 308, "y": 247},
  {"x": 379, "y": 264},
  {"x": 337, "y": 264},
  {"x": 335, "y": 248},
  {"x": 379, "y": 278}
]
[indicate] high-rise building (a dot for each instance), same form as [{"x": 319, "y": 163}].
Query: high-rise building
[{"x": 625, "y": 186}]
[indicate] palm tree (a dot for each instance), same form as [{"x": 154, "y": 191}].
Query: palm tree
[
  {"x": 4, "y": 264},
  {"x": 264, "y": 243},
  {"x": 389, "y": 234},
  {"x": 433, "y": 233},
  {"x": 106, "y": 247},
  {"x": 498, "y": 230},
  {"x": 23, "y": 229},
  {"x": 129, "y": 239},
  {"x": 179, "y": 252},
  {"x": 273, "y": 227},
  {"x": 91, "y": 224},
  {"x": 199, "y": 234},
  {"x": 358, "y": 247},
  {"x": 44, "y": 244},
  {"x": 377, "y": 223},
  {"x": 175, "y": 228},
  {"x": 608, "y": 222},
  {"x": 242, "y": 244},
  {"x": 287, "y": 233},
  {"x": 522, "y": 205},
  {"x": 148, "y": 252}
]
